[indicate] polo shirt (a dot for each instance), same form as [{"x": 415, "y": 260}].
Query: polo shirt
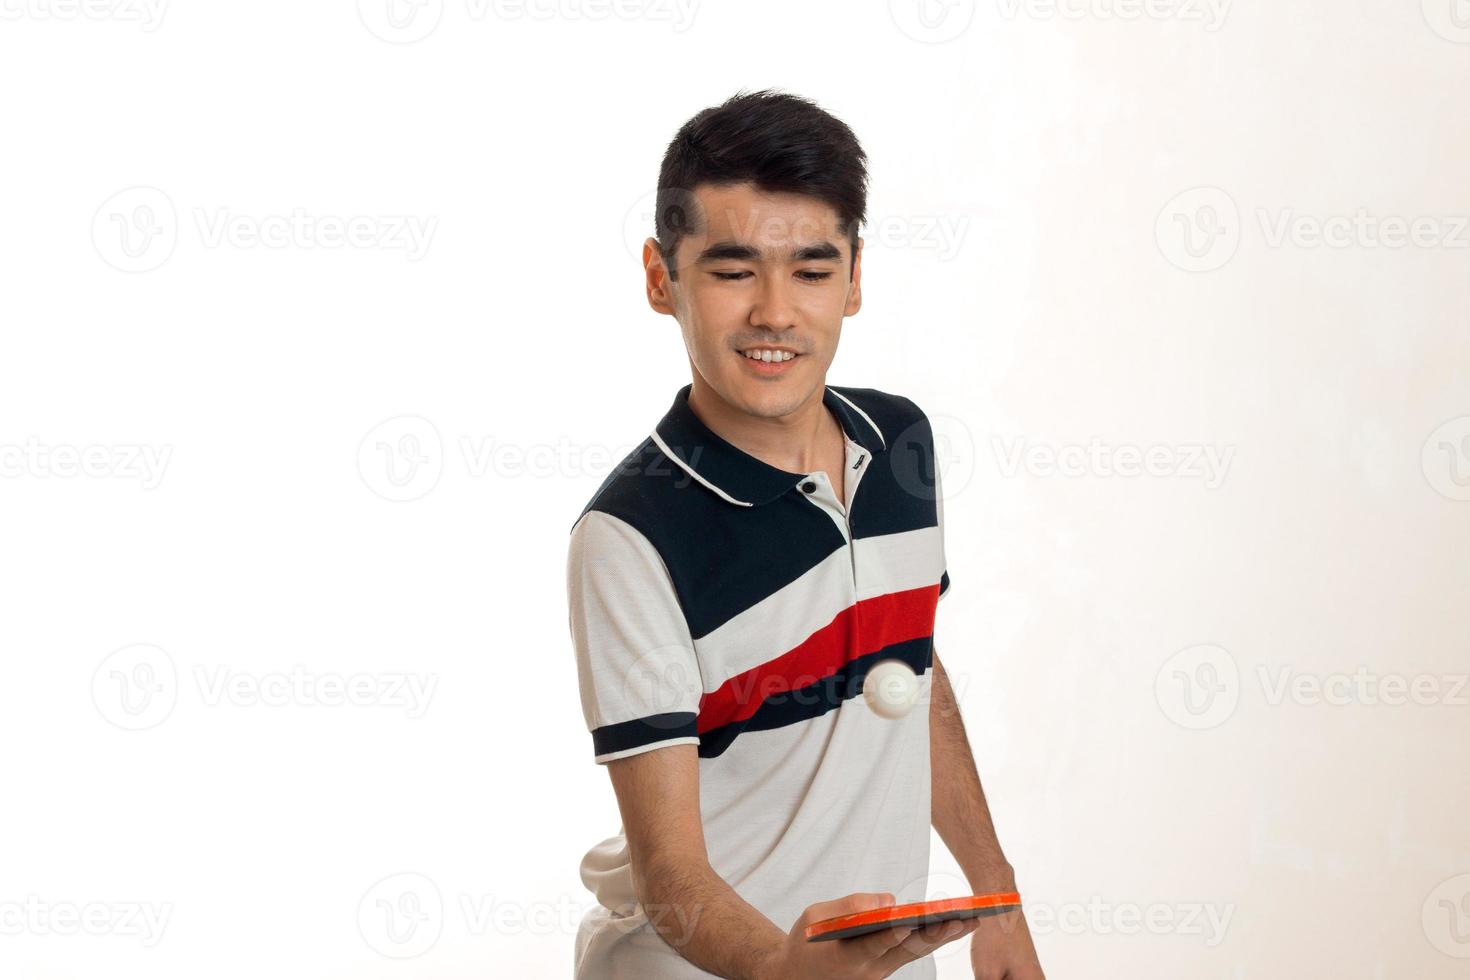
[{"x": 721, "y": 602}]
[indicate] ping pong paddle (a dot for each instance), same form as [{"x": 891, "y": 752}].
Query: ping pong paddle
[{"x": 915, "y": 914}]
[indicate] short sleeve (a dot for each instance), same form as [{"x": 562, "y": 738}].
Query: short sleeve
[{"x": 636, "y": 666}]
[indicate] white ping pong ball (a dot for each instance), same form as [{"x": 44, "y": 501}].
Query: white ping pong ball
[{"x": 891, "y": 688}]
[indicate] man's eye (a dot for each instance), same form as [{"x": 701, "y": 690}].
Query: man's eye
[{"x": 807, "y": 276}]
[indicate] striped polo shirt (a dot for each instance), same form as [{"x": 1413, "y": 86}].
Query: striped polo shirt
[{"x": 718, "y": 601}]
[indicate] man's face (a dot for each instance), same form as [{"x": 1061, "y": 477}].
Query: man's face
[{"x": 759, "y": 270}]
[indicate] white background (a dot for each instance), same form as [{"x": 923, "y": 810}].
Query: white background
[{"x": 1088, "y": 231}]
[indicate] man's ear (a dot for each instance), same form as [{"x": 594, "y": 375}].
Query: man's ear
[
  {"x": 656, "y": 279},
  {"x": 855, "y": 290}
]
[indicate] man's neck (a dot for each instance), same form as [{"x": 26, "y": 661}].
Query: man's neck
[{"x": 797, "y": 443}]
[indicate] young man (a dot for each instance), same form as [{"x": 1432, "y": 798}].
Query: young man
[{"x": 734, "y": 579}]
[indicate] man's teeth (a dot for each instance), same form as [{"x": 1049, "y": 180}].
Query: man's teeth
[{"x": 768, "y": 355}]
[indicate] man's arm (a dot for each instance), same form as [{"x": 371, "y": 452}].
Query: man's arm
[
  {"x": 688, "y": 904},
  {"x": 1001, "y": 946},
  {"x": 958, "y": 806},
  {"x": 696, "y": 911}
]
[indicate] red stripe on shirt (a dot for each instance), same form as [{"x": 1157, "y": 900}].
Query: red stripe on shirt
[{"x": 862, "y": 628}]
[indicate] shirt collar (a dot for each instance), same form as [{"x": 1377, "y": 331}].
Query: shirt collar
[{"x": 734, "y": 474}]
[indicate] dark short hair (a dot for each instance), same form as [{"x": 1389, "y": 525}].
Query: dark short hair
[{"x": 777, "y": 141}]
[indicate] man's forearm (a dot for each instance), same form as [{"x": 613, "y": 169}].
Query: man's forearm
[
  {"x": 707, "y": 922},
  {"x": 957, "y": 803}
]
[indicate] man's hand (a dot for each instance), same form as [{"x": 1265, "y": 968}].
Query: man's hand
[
  {"x": 868, "y": 957},
  {"x": 1001, "y": 949}
]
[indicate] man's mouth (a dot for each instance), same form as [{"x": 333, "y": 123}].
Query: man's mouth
[{"x": 768, "y": 354}]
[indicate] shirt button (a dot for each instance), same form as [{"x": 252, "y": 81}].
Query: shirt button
[{"x": 809, "y": 487}]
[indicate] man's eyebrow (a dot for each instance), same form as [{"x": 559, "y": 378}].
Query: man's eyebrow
[{"x": 740, "y": 252}]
